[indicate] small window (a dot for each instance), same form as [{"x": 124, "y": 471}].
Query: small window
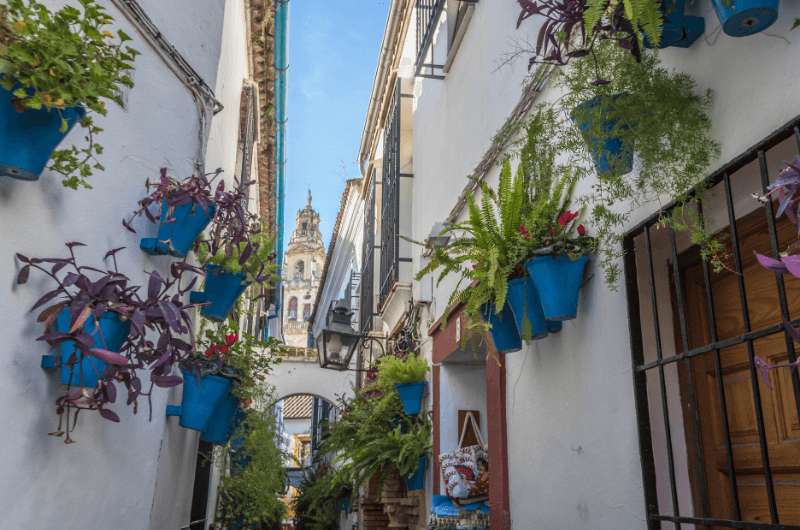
[
  {"x": 293, "y": 308},
  {"x": 299, "y": 270},
  {"x": 306, "y": 312}
]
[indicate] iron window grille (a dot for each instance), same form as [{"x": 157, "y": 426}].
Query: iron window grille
[
  {"x": 429, "y": 12},
  {"x": 652, "y": 363},
  {"x": 390, "y": 199},
  {"x": 367, "y": 283}
]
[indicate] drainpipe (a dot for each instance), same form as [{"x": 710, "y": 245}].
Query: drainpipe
[{"x": 281, "y": 67}]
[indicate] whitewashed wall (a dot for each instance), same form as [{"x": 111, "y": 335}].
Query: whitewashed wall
[
  {"x": 109, "y": 478},
  {"x": 573, "y": 447}
]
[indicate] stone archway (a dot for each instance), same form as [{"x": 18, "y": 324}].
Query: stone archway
[{"x": 300, "y": 374}]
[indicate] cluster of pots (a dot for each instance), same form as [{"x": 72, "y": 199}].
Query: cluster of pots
[{"x": 537, "y": 303}]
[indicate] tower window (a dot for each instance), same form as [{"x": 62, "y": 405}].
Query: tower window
[
  {"x": 293, "y": 308},
  {"x": 299, "y": 270}
]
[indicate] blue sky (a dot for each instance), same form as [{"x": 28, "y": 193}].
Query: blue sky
[{"x": 333, "y": 49}]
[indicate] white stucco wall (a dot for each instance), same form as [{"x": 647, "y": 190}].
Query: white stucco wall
[
  {"x": 572, "y": 437},
  {"x": 109, "y": 478}
]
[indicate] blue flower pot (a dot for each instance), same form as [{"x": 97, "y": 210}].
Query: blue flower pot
[
  {"x": 411, "y": 395},
  {"x": 220, "y": 293},
  {"x": 741, "y": 18},
  {"x": 503, "y": 328},
  {"x": 88, "y": 369},
  {"x": 523, "y": 299},
  {"x": 678, "y": 29},
  {"x": 28, "y": 138},
  {"x": 558, "y": 280},
  {"x": 416, "y": 481},
  {"x": 223, "y": 422},
  {"x": 201, "y": 398},
  {"x": 177, "y": 234},
  {"x": 613, "y": 155}
]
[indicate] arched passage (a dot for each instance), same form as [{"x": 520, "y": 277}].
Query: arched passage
[{"x": 303, "y": 375}]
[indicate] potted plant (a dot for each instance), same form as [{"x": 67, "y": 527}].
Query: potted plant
[
  {"x": 185, "y": 207},
  {"x": 221, "y": 380},
  {"x": 740, "y": 18},
  {"x": 231, "y": 268},
  {"x": 56, "y": 68},
  {"x": 572, "y": 28},
  {"x": 625, "y": 106},
  {"x": 104, "y": 330},
  {"x": 407, "y": 376},
  {"x": 373, "y": 438}
]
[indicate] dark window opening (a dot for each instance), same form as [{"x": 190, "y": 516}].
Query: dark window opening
[{"x": 390, "y": 199}]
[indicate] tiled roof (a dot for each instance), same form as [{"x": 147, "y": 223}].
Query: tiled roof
[{"x": 298, "y": 407}]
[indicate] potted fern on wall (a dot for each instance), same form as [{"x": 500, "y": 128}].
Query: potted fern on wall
[
  {"x": 56, "y": 68},
  {"x": 407, "y": 376}
]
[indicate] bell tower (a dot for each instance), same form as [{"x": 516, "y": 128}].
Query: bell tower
[{"x": 303, "y": 262}]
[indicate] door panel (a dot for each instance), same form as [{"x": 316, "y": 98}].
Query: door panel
[{"x": 782, "y": 428}]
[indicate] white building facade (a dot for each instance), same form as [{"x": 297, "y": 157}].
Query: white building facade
[
  {"x": 202, "y": 87},
  {"x": 577, "y": 432}
]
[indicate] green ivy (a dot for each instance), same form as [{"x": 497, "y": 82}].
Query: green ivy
[
  {"x": 394, "y": 370},
  {"x": 57, "y": 60}
]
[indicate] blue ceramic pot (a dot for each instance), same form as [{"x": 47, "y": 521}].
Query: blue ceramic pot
[
  {"x": 87, "y": 369},
  {"x": 416, "y": 481},
  {"x": 223, "y": 422},
  {"x": 740, "y": 18},
  {"x": 220, "y": 293},
  {"x": 558, "y": 280},
  {"x": 523, "y": 299},
  {"x": 411, "y": 395},
  {"x": 201, "y": 398},
  {"x": 28, "y": 138},
  {"x": 610, "y": 153},
  {"x": 176, "y": 234},
  {"x": 678, "y": 29},
  {"x": 503, "y": 328}
]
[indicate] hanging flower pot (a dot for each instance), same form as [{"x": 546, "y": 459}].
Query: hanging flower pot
[
  {"x": 86, "y": 370},
  {"x": 598, "y": 126},
  {"x": 28, "y": 138},
  {"x": 411, "y": 395},
  {"x": 416, "y": 481},
  {"x": 224, "y": 421},
  {"x": 503, "y": 328},
  {"x": 523, "y": 299},
  {"x": 740, "y": 18},
  {"x": 178, "y": 232},
  {"x": 220, "y": 292},
  {"x": 558, "y": 281},
  {"x": 201, "y": 398},
  {"x": 678, "y": 29},
  {"x": 344, "y": 504}
]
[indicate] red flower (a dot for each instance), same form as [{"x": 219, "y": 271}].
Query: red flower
[
  {"x": 231, "y": 339},
  {"x": 581, "y": 230},
  {"x": 524, "y": 232},
  {"x": 211, "y": 351},
  {"x": 566, "y": 217}
]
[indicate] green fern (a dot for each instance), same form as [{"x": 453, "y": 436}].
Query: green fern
[{"x": 644, "y": 15}]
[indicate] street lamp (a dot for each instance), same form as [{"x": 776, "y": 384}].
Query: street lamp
[{"x": 339, "y": 339}]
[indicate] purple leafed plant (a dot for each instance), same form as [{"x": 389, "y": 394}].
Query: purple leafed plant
[
  {"x": 158, "y": 321},
  {"x": 563, "y": 35},
  {"x": 785, "y": 190},
  {"x": 195, "y": 189}
]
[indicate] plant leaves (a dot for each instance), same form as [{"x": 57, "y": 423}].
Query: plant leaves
[
  {"x": 24, "y": 274},
  {"x": 109, "y": 356},
  {"x": 110, "y": 415},
  {"x": 81, "y": 319}
]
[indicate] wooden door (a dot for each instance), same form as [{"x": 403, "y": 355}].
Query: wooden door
[{"x": 712, "y": 487}]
